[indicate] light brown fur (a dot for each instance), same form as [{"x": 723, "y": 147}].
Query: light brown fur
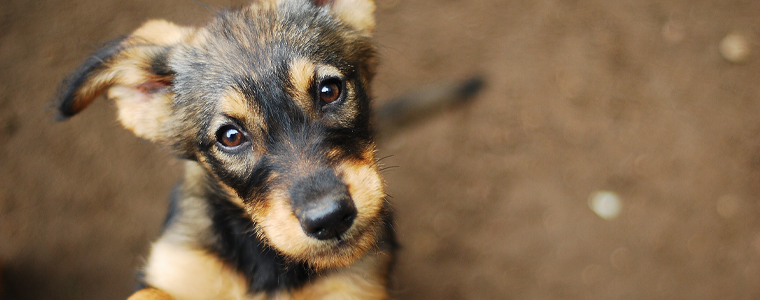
[
  {"x": 192, "y": 274},
  {"x": 301, "y": 74}
]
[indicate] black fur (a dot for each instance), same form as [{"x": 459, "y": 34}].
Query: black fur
[{"x": 159, "y": 64}]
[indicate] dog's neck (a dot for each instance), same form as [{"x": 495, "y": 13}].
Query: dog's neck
[{"x": 237, "y": 243}]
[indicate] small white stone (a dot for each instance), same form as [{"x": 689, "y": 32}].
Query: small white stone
[
  {"x": 735, "y": 48},
  {"x": 605, "y": 204}
]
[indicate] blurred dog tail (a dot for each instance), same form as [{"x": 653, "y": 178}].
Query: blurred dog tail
[{"x": 423, "y": 103}]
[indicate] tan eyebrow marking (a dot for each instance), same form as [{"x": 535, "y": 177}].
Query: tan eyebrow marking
[
  {"x": 301, "y": 76},
  {"x": 235, "y": 105}
]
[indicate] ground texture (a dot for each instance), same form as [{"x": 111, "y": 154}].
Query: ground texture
[{"x": 627, "y": 96}]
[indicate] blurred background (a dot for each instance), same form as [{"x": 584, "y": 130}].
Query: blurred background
[{"x": 614, "y": 153}]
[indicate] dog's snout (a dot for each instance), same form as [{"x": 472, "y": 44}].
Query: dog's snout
[
  {"x": 329, "y": 217},
  {"x": 323, "y": 205}
]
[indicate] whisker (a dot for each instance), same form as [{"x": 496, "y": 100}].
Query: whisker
[
  {"x": 383, "y": 158},
  {"x": 384, "y": 168}
]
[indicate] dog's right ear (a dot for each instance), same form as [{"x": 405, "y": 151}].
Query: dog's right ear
[
  {"x": 135, "y": 73},
  {"x": 357, "y": 13}
]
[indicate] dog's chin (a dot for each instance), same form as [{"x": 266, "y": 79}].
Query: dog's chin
[
  {"x": 336, "y": 253},
  {"x": 333, "y": 253}
]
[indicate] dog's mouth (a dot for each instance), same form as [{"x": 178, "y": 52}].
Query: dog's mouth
[
  {"x": 326, "y": 224},
  {"x": 343, "y": 250}
]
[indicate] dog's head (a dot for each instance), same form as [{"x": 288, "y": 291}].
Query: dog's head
[{"x": 272, "y": 100}]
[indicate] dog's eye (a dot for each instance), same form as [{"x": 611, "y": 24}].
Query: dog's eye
[
  {"x": 330, "y": 90},
  {"x": 230, "y": 136}
]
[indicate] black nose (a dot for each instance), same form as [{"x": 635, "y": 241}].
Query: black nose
[
  {"x": 323, "y": 205},
  {"x": 328, "y": 217}
]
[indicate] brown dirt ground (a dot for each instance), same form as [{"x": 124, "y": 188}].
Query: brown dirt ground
[{"x": 583, "y": 95}]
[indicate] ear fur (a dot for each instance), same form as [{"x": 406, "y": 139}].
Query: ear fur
[
  {"x": 134, "y": 72},
  {"x": 360, "y": 14}
]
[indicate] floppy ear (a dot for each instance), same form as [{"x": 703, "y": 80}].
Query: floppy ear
[
  {"x": 357, "y": 13},
  {"x": 134, "y": 72}
]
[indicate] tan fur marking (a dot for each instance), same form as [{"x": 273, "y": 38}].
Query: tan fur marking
[
  {"x": 301, "y": 76},
  {"x": 282, "y": 228},
  {"x": 328, "y": 71},
  {"x": 198, "y": 39},
  {"x": 364, "y": 185},
  {"x": 334, "y": 153},
  {"x": 235, "y": 105},
  {"x": 162, "y": 32},
  {"x": 363, "y": 280},
  {"x": 94, "y": 87},
  {"x": 192, "y": 274},
  {"x": 139, "y": 113},
  {"x": 150, "y": 294},
  {"x": 366, "y": 189},
  {"x": 181, "y": 273},
  {"x": 235, "y": 198},
  {"x": 357, "y": 13}
]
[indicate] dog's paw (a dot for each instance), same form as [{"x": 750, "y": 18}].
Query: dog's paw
[{"x": 150, "y": 294}]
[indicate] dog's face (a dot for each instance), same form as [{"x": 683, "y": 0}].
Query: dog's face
[{"x": 272, "y": 100}]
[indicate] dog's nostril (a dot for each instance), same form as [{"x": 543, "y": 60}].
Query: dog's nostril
[
  {"x": 348, "y": 219},
  {"x": 328, "y": 218},
  {"x": 321, "y": 232}
]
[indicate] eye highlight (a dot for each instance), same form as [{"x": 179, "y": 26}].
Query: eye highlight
[
  {"x": 230, "y": 136},
  {"x": 330, "y": 90}
]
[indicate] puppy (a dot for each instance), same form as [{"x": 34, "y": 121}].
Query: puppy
[{"x": 269, "y": 106}]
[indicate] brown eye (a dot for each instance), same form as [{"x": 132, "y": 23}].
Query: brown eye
[
  {"x": 230, "y": 136},
  {"x": 329, "y": 90}
]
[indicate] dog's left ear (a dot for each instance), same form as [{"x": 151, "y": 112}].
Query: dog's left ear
[
  {"x": 357, "y": 13},
  {"x": 135, "y": 73}
]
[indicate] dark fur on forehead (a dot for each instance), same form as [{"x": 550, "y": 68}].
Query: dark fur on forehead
[
  {"x": 257, "y": 41},
  {"x": 250, "y": 50}
]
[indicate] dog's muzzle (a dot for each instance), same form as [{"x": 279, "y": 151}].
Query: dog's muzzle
[{"x": 323, "y": 205}]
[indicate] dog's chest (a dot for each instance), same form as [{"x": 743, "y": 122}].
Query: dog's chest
[{"x": 193, "y": 274}]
